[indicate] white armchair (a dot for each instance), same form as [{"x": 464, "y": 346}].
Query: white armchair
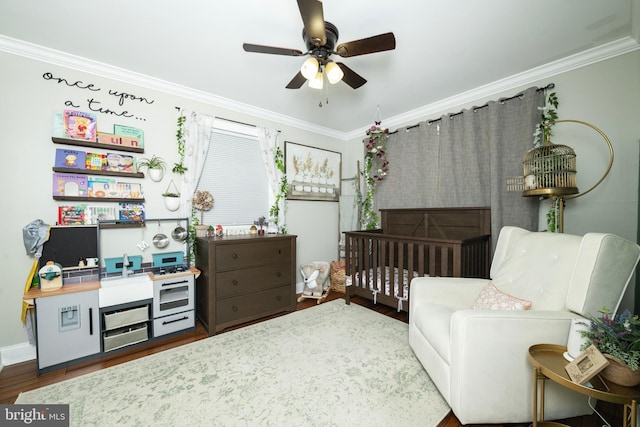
[{"x": 478, "y": 357}]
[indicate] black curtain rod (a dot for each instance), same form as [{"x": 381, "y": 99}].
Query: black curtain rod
[{"x": 501, "y": 100}]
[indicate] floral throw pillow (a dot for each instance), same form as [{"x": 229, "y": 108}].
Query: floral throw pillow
[{"x": 491, "y": 298}]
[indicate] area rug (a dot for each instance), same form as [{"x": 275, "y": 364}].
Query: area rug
[{"x": 330, "y": 365}]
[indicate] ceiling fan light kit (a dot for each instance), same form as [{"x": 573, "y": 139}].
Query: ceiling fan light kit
[
  {"x": 317, "y": 82},
  {"x": 320, "y": 38},
  {"x": 334, "y": 72},
  {"x": 309, "y": 68}
]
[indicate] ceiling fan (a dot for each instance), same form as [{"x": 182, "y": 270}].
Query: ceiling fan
[{"x": 320, "y": 38}]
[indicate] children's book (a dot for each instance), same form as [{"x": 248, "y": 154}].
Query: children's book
[
  {"x": 71, "y": 215},
  {"x": 80, "y": 125},
  {"x": 70, "y": 185}
]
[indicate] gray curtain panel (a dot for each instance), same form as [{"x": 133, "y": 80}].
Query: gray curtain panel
[{"x": 464, "y": 160}]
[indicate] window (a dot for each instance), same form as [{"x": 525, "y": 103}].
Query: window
[{"x": 234, "y": 174}]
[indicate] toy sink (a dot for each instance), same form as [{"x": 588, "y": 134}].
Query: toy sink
[{"x": 114, "y": 265}]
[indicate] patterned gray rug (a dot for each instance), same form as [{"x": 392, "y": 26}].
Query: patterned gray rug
[{"x": 330, "y": 365}]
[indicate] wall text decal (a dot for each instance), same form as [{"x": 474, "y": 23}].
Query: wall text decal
[{"x": 96, "y": 105}]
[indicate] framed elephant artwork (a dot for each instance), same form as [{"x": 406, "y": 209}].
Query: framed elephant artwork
[{"x": 312, "y": 173}]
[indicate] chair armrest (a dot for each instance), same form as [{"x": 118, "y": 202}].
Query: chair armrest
[{"x": 489, "y": 351}]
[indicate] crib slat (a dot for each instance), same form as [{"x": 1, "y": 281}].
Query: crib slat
[{"x": 372, "y": 258}]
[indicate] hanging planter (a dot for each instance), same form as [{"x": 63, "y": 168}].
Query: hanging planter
[
  {"x": 155, "y": 167},
  {"x": 171, "y": 197},
  {"x": 156, "y": 175}
]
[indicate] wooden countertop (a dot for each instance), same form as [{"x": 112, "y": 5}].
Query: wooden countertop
[
  {"x": 93, "y": 285},
  {"x": 65, "y": 289}
]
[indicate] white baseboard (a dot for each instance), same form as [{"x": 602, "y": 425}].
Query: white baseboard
[{"x": 16, "y": 353}]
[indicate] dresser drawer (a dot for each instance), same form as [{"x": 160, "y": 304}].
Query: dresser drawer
[
  {"x": 253, "y": 305},
  {"x": 238, "y": 282},
  {"x": 233, "y": 257}
]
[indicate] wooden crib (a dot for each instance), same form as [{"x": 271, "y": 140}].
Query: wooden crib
[{"x": 448, "y": 242}]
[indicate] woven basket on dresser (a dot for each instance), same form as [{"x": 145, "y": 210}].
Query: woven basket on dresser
[{"x": 337, "y": 276}]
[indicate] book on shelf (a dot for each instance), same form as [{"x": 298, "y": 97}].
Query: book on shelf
[
  {"x": 102, "y": 187},
  {"x": 121, "y": 163},
  {"x": 70, "y": 185},
  {"x": 80, "y": 125},
  {"x": 71, "y": 215},
  {"x": 72, "y": 159},
  {"x": 131, "y": 212},
  {"x": 130, "y": 132},
  {"x": 117, "y": 140},
  {"x": 96, "y": 161},
  {"x": 93, "y": 214}
]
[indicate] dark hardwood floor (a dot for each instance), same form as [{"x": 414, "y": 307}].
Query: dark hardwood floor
[{"x": 17, "y": 378}]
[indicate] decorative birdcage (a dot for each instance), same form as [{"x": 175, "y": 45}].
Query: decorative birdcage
[{"x": 550, "y": 170}]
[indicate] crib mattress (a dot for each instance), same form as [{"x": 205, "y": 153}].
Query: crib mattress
[{"x": 375, "y": 284}]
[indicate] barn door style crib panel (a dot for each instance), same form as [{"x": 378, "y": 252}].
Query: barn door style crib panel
[{"x": 380, "y": 265}]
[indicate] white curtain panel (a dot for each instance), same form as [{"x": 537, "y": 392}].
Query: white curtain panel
[
  {"x": 268, "y": 139},
  {"x": 464, "y": 159},
  {"x": 198, "y": 130}
]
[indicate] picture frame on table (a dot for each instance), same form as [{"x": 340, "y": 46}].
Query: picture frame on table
[
  {"x": 312, "y": 173},
  {"x": 586, "y": 365}
]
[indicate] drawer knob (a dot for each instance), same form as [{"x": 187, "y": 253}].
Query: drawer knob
[
  {"x": 278, "y": 274},
  {"x": 234, "y": 308},
  {"x": 234, "y": 256},
  {"x": 234, "y": 282},
  {"x": 278, "y": 297},
  {"x": 279, "y": 251}
]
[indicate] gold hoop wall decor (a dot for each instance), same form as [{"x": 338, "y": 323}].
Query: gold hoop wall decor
[{"x": 550, "y": 169}]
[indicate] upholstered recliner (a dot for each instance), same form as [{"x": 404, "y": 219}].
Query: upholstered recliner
[{"x": 478, "y": 357}]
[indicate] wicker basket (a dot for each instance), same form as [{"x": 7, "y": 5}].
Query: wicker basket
[
  {"x": 619, "y": 373},
  {"x": 337, "y": 276}
]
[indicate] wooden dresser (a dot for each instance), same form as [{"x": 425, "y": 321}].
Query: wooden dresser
[{"x": 244, "y": 278}]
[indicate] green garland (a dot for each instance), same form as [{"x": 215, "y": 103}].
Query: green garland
[
  {"x": 274, "y": 211},
  {"x": 179, "y": 167},
  {"x": 549, "y": 115}
]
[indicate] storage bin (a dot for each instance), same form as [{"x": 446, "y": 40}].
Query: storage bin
[
  {"x": 126, "y": 317},
  {"x": 126, "y": 336}
]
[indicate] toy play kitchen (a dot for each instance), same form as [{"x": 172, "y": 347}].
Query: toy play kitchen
[{"x": 145, "y": 293}]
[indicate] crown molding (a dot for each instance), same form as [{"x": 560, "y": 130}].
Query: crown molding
[
  {"x": 56, "y": 57},
  {"x": 578, "y": 60},
  {"x": 64, "y": 59}
]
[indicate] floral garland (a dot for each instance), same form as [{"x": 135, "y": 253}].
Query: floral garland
[{"x": 376, "y": 168}]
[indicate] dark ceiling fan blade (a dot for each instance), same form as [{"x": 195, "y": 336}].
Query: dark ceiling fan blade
[
  {"x": 350, "y": 77},
  {"x": 248, "y": 47},
  {"x": 313, "y": 19},
  {"x": 297, "y": 81},
  {"x": 373, "y": 44}
]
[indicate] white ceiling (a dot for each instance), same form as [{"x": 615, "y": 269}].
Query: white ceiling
[{"x": 444, "y": 47}]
